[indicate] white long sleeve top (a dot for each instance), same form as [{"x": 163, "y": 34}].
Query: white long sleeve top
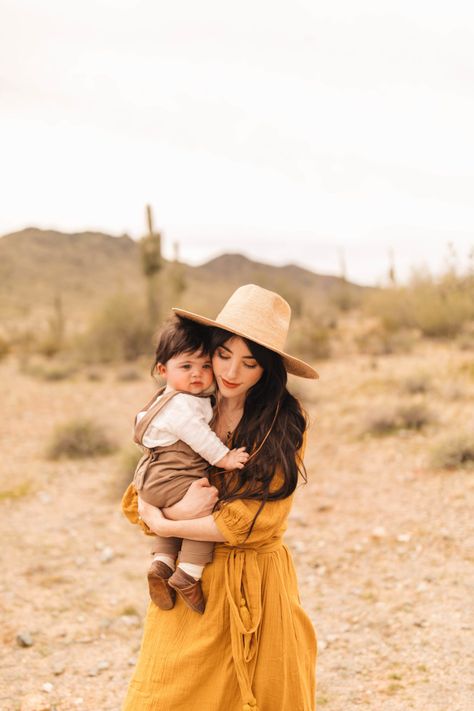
[{"x": 185, "y": 417}]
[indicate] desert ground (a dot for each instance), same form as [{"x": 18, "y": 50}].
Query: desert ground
[{"x": 382, "y": 541}]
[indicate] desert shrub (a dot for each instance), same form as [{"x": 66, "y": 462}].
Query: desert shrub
[
  {"x": 345, "y": 297},
  {"x": 386, "y": 421},
  {"x": 381, "y": 422},
  {"x": 4, "y": 347},
  {"x": 417, "y": 383},
  {"x": 126, "y": 375},
  {"x": 438, "y": 307},
  {"x": 454, "y": 452},
  {"x": 377, "y": 340},
  {"x": 78, "y": 439},
  {"x": 119, "y": 332},
  {"x": 310, "y": 339},
  {"x": 414, "y": 416},
  {"x": 49, "y": 371}
]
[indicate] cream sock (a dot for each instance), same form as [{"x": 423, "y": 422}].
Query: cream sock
[
  {"x": 192, "y": 569},
  {"x": 168, "y": 559}
]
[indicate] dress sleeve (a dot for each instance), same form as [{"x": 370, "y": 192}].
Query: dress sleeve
[{"x": 235, "y": 518}]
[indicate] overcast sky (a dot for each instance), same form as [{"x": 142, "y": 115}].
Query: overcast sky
[{"x": 287, "y": 130}]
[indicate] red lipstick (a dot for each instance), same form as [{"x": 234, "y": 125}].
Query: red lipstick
[{"x": 229, "y": 385}]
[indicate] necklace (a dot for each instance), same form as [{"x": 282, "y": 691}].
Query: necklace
[{"x": 227, "y": 425}]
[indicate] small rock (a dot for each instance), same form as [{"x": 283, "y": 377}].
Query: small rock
[
  {"x": 132, "y": 661},
  {"x": 404, "y": 537},
  {"x": 24, "y": 639},
  {"x": 103, "y": 665},
  {"x": 35, "y": 702},
  {"x": 48, "y": 687},
  {"x": 44, "y": 497},
  {"x": 379, "y": 532},
  {"x": 130, "y": 620},
  {"x": 78, "y": 701},
  {"x": 107, "y": 555},
  {"x": 58, "y": 668}
]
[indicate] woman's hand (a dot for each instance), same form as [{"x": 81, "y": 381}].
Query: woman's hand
[
  {"x": 198, "y": 501},
  {"x": 152, "y": 516}
]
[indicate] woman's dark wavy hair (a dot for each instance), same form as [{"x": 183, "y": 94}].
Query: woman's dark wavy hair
[{"x": 268, "y": 402}]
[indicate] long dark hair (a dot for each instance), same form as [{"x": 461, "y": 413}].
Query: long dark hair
[{"x": 272, "y": 416}]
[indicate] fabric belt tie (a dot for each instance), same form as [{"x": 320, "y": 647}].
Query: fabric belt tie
[{"x": 244, "y": 596}]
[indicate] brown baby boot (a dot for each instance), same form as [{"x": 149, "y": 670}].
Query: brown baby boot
[
  {"x": 189, "y": 589},
  {"x": 162, "y": 595}
]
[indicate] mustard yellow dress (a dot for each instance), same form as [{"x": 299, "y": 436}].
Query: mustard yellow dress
[{"x": 253, "y": 649}]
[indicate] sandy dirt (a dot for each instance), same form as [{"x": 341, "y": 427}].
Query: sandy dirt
[{"x": 381, "y": 542}]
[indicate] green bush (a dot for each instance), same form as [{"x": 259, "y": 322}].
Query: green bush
[
  {"x": 78, "y": 439},
  {"x": 310, "y": 339},
  {"x": 119, "y": 332},
  {"x": 438, "y": 307},
  {"x": 454, "y": 452}
]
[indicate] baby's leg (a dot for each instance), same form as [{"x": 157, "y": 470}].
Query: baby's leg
[
  {"x": 166, "y": 550},
  {"x": 194, "y": 556}
]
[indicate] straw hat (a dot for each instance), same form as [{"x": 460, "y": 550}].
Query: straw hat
[{"x": 261, "y": 316}]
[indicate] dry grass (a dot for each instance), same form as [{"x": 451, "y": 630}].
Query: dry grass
[
  {"x": 388, "y": 420},
  {"x": 78, "y": 439},
  {"x": 439, "y": 307},
  {"x": 454, "y": 452}
]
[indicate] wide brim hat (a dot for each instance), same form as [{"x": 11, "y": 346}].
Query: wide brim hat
[{"x": 261, "y": 316}]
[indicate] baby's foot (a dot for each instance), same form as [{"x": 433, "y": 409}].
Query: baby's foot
[
  {"x": 189, "y": 589},
  {"x": 161, "y": 594}
]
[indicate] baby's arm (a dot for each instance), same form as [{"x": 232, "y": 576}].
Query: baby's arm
[
  {"x": 235, "y": 459},
  {"x": 187, "y": 421}
]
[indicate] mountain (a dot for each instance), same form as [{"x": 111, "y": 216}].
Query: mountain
[{"x": 86, "y": 268}]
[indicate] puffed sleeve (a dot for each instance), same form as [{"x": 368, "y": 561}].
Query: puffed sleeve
[{"x": 234, "y": 518}]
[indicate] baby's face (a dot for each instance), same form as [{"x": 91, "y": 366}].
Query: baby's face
[{"x": 189, "y": 372}]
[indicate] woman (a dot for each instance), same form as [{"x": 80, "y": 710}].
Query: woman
[{"x": 254, "y": 649}]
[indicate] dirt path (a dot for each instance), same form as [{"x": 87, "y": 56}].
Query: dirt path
[{"x": 380, "y": 541}]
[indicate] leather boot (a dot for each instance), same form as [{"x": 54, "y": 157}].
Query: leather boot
[
  {"x": 162, "y": 595},
  {"x": 188, "y": 589}
]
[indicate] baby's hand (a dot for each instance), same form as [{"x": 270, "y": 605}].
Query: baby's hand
[{"x": 235, "y": 459}]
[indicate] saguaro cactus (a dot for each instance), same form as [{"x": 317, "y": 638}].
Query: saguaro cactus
[{"x": 152, "y": 263}]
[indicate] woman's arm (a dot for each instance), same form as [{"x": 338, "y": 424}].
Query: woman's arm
[
  {"x": 197, "y": 529},
  {"x": 199, "y": 500}
]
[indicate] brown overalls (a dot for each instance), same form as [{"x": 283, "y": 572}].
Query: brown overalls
[{"x": 163, "y": 476}]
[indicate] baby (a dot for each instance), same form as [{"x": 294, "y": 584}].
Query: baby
[{"x": 179, "y": 446}]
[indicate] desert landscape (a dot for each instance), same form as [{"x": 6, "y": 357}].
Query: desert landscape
[{"x": 381, "y": 534}]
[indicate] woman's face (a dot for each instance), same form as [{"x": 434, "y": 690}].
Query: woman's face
[{"x": 235, "y": 368}]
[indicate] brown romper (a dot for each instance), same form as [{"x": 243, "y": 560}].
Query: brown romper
[{"x": 163, "y": 476}]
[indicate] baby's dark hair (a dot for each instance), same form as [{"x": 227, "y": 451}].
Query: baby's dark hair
[{"x": 180, "y": 335}]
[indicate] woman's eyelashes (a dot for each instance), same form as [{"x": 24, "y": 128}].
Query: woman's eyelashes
[{"x": 225, "y": 356}]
